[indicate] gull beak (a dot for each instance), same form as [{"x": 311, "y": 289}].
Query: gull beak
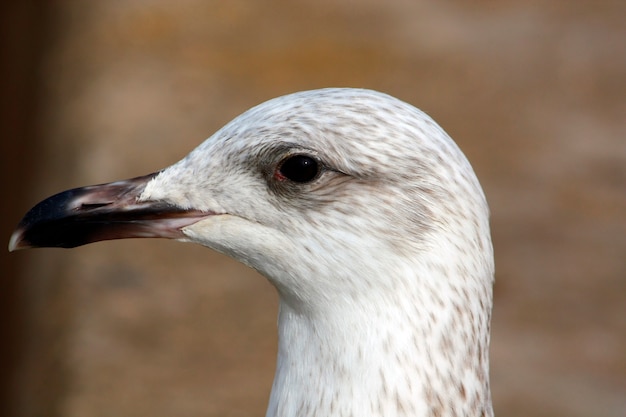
[{"x": 101, "y": 212}]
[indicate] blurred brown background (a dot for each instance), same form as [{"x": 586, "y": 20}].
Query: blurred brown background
[{"x": 534, "y": 93}]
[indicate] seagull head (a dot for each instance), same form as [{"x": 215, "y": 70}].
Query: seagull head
[
  {"x": 365, "y": 216},
  {"x": 313, "y": 189}
]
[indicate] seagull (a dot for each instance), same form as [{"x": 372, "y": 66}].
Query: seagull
[{"x": 367, "y": 219}]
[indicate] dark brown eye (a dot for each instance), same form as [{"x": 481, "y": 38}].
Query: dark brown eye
[{"x": 299, "y": 168}]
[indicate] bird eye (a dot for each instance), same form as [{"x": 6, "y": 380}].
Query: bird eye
[{"x": 298, "y": 168}]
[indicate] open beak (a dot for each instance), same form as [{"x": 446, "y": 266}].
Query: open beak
[{"x": 101, "y": 212}]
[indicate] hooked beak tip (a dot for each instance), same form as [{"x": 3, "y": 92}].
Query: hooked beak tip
[{"x": 16, "y": 242}]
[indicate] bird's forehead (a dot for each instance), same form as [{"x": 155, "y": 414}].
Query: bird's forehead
[{"x": 350, "y": 128}]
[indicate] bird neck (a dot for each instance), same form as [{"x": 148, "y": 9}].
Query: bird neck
[{"x": 398, "y": 354}]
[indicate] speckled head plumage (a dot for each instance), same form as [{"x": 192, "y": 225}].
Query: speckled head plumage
[{"x": 381, "y": 254}]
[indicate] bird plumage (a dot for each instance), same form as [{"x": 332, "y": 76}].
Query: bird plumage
[{"x": 383, "y": 259}]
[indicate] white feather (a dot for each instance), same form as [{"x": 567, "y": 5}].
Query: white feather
[{"x": 384, "y": 263}]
